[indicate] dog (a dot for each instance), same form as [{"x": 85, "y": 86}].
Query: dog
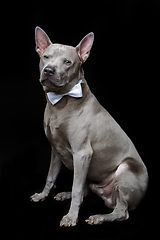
[{"x": 85, "y": 137}]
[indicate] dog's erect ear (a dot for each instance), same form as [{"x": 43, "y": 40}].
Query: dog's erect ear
[
  {"x": 84, "y": 47},
  {"x": 42, "y": 40}
]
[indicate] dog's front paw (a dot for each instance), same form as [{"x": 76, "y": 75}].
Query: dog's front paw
[
  {"x": 38, "y": 197},
  {"x": 68, "y": 221}
]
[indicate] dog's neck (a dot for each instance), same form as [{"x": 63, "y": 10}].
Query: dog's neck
[
  {"x": 76, "y": 92},
  {"x": 67, "y": 100}
]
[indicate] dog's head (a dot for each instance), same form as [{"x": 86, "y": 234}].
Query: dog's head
[{"x": 61, "y": 65}]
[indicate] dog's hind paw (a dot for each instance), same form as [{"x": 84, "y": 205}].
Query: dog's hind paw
[
  {"x": 63, "y": 196},
  {"x": 95, "y": 219},
  {"x": 38, "y": 197}
]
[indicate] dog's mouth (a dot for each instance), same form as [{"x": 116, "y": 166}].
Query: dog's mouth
[{"x": 47, "y": 83}]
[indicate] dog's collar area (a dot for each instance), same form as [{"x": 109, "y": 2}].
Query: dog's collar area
[{"x": 76, "y": 92}]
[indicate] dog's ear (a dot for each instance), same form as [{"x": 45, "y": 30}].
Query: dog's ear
[
  {"x": 42, "y": 40},
  {"x": 84, "y": 47}
]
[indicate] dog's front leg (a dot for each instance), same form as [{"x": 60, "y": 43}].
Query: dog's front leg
[
  {"x": 54, "y": 170},
  {"x": 81, "y": 165}
]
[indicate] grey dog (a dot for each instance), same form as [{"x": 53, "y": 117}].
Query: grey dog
[{"x": 85, "y": 137}]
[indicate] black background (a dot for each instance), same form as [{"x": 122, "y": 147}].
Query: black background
[{"x": 123, "y": 73}]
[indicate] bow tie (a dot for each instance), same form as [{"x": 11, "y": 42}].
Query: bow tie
[{"x": 76, "y": 92}]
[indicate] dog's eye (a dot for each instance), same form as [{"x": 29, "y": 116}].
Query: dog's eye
[
  {"x": 67, "y": 62},
  {"x": 45, "y": 57}
]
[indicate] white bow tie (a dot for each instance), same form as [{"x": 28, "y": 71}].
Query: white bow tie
[{"x": 76, "y": 92}]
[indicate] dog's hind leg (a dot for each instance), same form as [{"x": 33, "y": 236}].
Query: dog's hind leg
[
  {"x": 54, "y": 169},
  {"x": 119, "y": 213},
  {"x": 124, "y": 192}
]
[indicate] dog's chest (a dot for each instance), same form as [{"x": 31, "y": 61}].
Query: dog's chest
[{"x": 57, "y": 134}]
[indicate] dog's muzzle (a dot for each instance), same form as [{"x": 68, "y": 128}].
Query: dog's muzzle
[
  {"x": 49, "y": 78},
  {"x": 48, "y": 71}
]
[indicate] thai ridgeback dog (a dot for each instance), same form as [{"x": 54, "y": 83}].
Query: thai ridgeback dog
[{"x": 85, "y": 137}]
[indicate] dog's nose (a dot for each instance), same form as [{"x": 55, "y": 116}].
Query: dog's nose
[{"x": 48, "y": 71}]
